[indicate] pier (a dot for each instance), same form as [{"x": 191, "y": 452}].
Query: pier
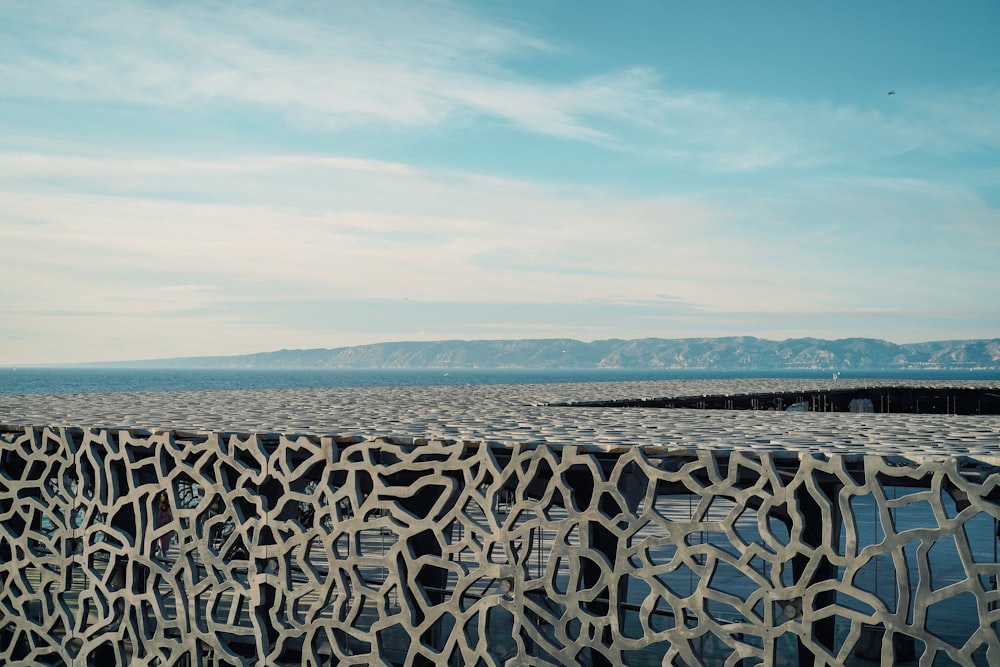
[
  {"x": 910, "y": 399},
  {"x": 517, "y": 525}
]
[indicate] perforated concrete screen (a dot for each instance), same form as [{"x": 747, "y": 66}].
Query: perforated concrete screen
[{"x": 276, "y": 549}]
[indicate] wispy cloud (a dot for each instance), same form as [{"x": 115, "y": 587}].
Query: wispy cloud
[
  {"x": 447, "y": 236},
  {"x": 340, "y": 63},
  {"x": 357, "y": 253},
  {"x": 398, "y": 65}
]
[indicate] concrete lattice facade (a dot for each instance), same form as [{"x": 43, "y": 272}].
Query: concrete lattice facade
[{"x": 294, "y": 549}]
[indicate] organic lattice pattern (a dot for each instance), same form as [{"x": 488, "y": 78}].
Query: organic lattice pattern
[{"x": 317, "y": 551}]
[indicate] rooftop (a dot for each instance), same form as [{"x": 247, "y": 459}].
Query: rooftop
[{"x": 538, "y": 415}]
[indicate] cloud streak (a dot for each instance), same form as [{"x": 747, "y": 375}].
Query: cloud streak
[
  {"x": 527, "y": 244},
  {"x": 397, "y": 66}
]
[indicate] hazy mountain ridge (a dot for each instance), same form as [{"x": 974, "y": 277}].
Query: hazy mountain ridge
[{"x": 732, "y": 353}]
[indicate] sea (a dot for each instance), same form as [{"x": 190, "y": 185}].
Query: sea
[{"x": 48, "y": 380}]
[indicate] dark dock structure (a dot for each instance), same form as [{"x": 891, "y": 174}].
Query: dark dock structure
[{"x": 912, "y": 399}]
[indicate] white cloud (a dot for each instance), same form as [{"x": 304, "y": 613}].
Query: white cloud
[
  {"x": 391, "y": 62},
  {"x": 395, "y": 65},
  {"x": 443, "y": 236}
]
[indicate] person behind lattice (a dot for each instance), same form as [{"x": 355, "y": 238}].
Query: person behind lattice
[{"x": 163, "y": 517}]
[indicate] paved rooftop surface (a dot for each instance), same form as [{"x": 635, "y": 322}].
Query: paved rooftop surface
[{"x": 521, "y": 414}]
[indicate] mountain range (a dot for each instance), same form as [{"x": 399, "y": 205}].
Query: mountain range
[{"x": 730, "y": 353}]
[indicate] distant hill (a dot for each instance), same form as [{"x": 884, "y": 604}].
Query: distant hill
[{"x": 732, "y": 353}]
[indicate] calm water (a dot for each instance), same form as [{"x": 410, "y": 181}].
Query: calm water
[{"x": 90, "y": 380}]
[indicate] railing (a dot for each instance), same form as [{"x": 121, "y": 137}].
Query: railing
[{"x": 317, "y": 551}]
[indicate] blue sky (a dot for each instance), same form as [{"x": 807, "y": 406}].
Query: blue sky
[{"x": 222, "y": 178}]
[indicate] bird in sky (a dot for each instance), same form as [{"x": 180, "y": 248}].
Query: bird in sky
[{"x": 891, "y": 92}]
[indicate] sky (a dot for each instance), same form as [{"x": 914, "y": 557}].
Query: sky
[{"x": 210, "y": 178}]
